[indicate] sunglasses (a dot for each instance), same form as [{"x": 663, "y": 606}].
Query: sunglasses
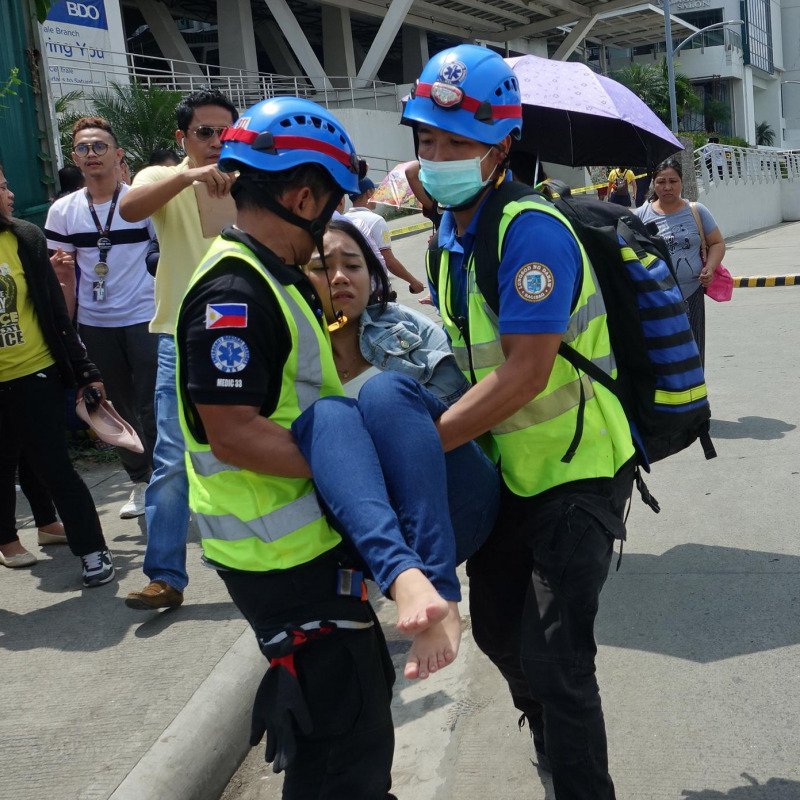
[
  {"x": 98, "y": 148},
  {"x": 206, "y": 132}
]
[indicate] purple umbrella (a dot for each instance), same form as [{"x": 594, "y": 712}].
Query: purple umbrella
[{"x": 573, "y": 116}]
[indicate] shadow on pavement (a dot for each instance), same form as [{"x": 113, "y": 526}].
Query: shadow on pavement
[
  {"x": 762, "y": 428},
  {"x": 81, "y": 624},
  {"x": 773, "y": 789},
  {"x": 702, "y": 603}
]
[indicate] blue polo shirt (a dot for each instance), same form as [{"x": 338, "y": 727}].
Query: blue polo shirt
[{"x": 539, "y": 275}]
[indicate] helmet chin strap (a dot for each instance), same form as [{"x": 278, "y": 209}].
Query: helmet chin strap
[{"x": 314, "y": 227}]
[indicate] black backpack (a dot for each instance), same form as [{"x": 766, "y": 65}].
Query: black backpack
[{"x": 660, "y": 381}]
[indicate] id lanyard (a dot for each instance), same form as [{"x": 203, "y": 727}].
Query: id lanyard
[{"x": 103, "y": 245}]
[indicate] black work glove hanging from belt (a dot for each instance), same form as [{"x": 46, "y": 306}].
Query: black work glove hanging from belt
[{"x": 279, "y": 703}]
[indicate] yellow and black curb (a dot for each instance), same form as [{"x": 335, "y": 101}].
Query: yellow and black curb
[
  {"x": 408, "y": 230},
  {"x": 764, "y": 280}
]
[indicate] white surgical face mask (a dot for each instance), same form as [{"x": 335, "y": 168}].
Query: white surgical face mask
[{"x": 452, "y": 183}]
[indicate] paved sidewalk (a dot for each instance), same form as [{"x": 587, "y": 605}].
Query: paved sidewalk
[{"x": 699, "y": 634}]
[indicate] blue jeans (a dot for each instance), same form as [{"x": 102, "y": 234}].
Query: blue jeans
[
  {"x": 386, "y": 446},
  {"x": 167, "y": 496}
]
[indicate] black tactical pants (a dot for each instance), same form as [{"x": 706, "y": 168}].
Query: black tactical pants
[
  {"x": 534, "y": 593},
  {"x": 346, "y": 679}
]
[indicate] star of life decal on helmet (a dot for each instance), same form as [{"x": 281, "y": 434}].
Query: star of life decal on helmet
[
  {"x": 230, "y": 354},
  {"x": 534, "y": 282},
  {"x": 453, "y": 72}
]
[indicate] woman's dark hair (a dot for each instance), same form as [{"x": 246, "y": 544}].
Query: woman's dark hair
[
  {"x": 375, "y": 270},
  {"x": 667, "y": 163},
  {"x": 207, "y": 96},
  {"x": 5, "y": 222}
]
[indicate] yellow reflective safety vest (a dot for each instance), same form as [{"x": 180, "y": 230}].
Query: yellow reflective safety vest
[
  {"x": 532, "y": 442},
  {"x": 249, "y": 520}
]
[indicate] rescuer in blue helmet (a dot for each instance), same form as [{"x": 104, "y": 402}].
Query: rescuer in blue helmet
[
  {"x": 561, "y": 441},
  {"x": 253, "y": 353}
]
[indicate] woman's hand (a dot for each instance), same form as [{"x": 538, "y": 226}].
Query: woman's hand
[
  {"x": 707, "y": 274},
  {"x": 94, "y": 385}
]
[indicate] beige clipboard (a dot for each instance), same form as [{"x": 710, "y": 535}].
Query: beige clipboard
[{"x": 215, "y": 212}]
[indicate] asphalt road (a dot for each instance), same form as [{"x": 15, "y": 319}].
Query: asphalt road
[{"x": 699, "y": 630}]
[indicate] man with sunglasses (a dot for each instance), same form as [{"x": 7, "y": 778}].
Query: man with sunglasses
[
  {"x": 114, "y": 290},
  {"x": 166, "y": 195}
]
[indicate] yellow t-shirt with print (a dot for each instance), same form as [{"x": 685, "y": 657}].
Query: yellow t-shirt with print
[
  {"x": 181, "y": 242},
  {"x": 23, "y": 349}
]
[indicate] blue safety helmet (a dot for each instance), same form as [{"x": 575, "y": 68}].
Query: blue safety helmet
[
  {"x": 470, "y": 91},
  {"x": 285, "y": 132}
]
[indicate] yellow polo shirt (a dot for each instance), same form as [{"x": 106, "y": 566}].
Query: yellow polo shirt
[
  {"x": 183, "y": 247},
  {"x": 23, "y": 349}
]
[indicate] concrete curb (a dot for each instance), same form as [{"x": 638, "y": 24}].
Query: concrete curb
[
  {"x": 196, "y": 756},
  {"x": 408, "y": 230},
  {"x": 760, "y": 281}
]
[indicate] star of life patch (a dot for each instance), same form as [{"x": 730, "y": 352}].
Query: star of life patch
[
  {"x": 453, "y": 72},
  {"x": 230, "y": 354},
  {"x": 534, "y": 282}
]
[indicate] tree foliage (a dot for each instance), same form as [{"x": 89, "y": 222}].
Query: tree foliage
[
  {"x": 650, "y": 83},
  {"x": 765, "y": 135},
  {"x": 8, "y": 87},
  {"x": 143, "y": 118}
]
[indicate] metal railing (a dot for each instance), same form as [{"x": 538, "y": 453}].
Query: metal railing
[
  {"x": 722, "y": 164},
  {"x": 96, "y": 70}
]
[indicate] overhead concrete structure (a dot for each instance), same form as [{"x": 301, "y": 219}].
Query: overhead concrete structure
[{"x": 366, "y": 40}]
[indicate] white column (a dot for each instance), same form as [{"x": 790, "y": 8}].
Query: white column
[
  {"x": 237, "y": 43},
  {"x": 337, "y": 43},
  {"x": 384, "y": 38},
  {"x": 576, "y": 35},
  {"x": 294, "y": 34},
  {"x": 168, "y": 37},
  {"x": 280, "y": 54},
  {"x": 415, "y": 52}
]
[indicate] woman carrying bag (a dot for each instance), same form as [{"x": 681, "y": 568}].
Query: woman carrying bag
[{"x": 693, "y": 238}]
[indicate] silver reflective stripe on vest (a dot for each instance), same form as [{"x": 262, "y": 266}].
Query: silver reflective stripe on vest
[
  {"x": 579, "y": 322},
  {"x": 268, "y": 528},
  {"x": 558, "y": 402},
  {"x": 308, "y": 381},
  {"x": 484, "y": 356},
  {"x": 206, "y": 464}
]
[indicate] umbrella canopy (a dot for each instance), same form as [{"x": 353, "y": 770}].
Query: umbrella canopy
[
  {"x": 394, "y": 190},
  {"x": 574, "y": 116}
]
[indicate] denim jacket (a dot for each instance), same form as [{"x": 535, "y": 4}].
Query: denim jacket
[{"x": 409, "y": 342}]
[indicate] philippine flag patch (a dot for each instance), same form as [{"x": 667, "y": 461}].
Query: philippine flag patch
[{"x": 226, "y": 315}]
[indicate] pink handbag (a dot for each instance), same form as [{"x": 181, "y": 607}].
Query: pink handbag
[{"x": 721, "y": 286}]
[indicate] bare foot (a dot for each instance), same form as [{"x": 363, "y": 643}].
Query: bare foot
[
  {"x": 436, "y": 647},
  {"x": 419, "y": 605}
]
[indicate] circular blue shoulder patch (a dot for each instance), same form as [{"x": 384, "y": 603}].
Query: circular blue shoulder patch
[{"x": 230, "y": 354}]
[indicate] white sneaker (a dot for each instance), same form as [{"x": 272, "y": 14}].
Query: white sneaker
[{"x": 135, "y": 505}]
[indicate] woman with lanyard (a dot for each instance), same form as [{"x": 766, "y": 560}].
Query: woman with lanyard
[{"x": 115, "y": 290}]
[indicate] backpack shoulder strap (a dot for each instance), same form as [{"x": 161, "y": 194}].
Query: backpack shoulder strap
[
  {"x": 487, "y": 245},
  {"x": 434, "y": 260}
]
